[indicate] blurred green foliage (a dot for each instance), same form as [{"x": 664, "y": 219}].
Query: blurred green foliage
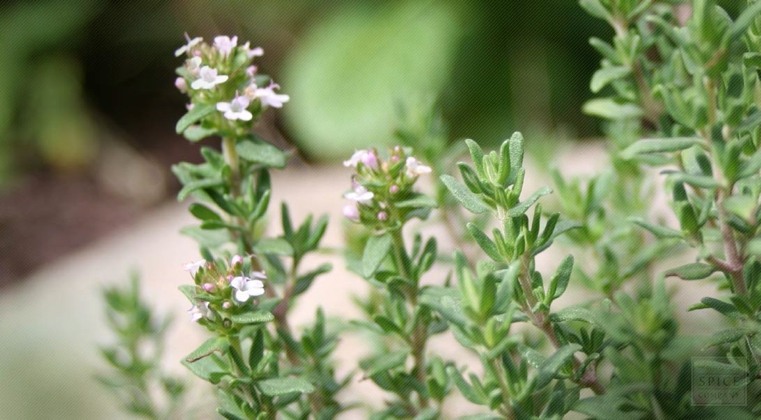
[{"x": 344, "y": 63}]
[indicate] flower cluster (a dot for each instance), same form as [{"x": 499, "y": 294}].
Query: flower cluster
[
  {"x": 382, "y": 189},
  {"x": 223, "y": 289},
  {"x": 222, "y": 76}
]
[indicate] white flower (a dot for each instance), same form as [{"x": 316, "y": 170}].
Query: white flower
[
  {"x": 415, "y": 168},
  {"x": 236, "y": 109},
  {"x": 360, "y": 195},
  {"x": 185, "y": 48},
  {"x": 199, "y": 311},
  {"x": 246, "y": 287},
  {"x": 208, "y": 79},
  {"x": 251, "y": 71},
  {"x": 365, "y": 156},
  {"x": 351, "y": 212},
  {"x": 225, "y": 44},
  {"x": 269, "y": 97},
  {"x": 193, "y": 65},
  {"x": 256, "y": 52},
  {"x": 194, "y": 266}
]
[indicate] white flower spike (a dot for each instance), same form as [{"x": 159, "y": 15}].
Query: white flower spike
[
  {"x": 208, "y": 78},
  {"x": 236, "y": 109}
]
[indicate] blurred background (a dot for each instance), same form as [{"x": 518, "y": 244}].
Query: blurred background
[{"x": 88, "y": 106}]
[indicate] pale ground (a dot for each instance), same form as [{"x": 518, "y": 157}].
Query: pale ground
[{"x": 51, "y": 324}]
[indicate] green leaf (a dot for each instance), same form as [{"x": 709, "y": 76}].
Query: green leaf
[
  {"x": 468, "y": 200},
  {"x": 376, "y": 249},
  {"x": 741, "y": 205},
  {"x": 605, "y": 75},
  {"x": 700, "y": 181},
  {"x": 384, "y": 362},
  {"x": 692, "y": 271},
  {"x": 741, "y": 24},
  {"x": 575, "y": 313},
  {"x": 516, "y": 156},
  {"x": 387, "y": 325},
  {"x": 720, "y": 306},
  {"x": 196, "y": 133},
  {"x": 660, "y": 232},
  {"x": 197, "y": 185},
  {"x": 523, "y": 206},
  {"x": 489, "y": 247},
  {"x": 194, "y": 115},
  {"x": 446, "y": 301},
  {"x": 559, "y": 281},
  {"x": 417, "y": 45},
  {"x": 595, "y": 8},
  {"x": 477, "y": 155},
  {"x": 214, "y": 344},
  {"x": 465, "y": 388},
  {"x": 258, "y": 151},
  {"x": 725, "y": 336},
  {"x": 661, "y": 145},
  {"x": 257, "y": 317},
  {"x": 203, "y": 213},
  {"x": 552, "y": 365},
  {"x": 420, "y": 200},
  {"x": 274, "y": 246},
  {"x": 609, "y": 109},
  {"x": 281, "y": 386}
]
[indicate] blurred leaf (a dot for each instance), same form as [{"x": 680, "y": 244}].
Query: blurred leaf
[
  {"x": 693, "y": 271},
  {"x": 258, "y": 317},
  {"x": 350, "y": 69},
  {"x": 259, "y": 151},
  {"x": 376, "y": 249},
  {"x": 673, "y": 144},
  {"x": 280, "y": 386},
  {"x": 198, "y": 112},
  {"x": 606, "y": 75},
  {"x": 384, "y": 362},
  {"x": 609, "y": 109}
]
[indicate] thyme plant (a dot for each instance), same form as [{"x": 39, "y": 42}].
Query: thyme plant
[{"x": 679, "y": 94}]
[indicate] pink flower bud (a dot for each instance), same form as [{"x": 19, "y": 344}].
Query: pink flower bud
[
  {"x": 227, "y": 304},
  {"x": 208, "y": 287},
  {"x": 382, "y": 216},
  {"x": 236, "y": 260},
  {"x": 351, "y": 212},
  {"x": 393, "y": 189},
  {"x": 181, "y": 84}
]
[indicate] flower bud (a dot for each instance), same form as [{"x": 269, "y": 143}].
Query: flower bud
[
  {"x": 181, "y": 84},
  {"x": 208, "y": 287},
  {"x": 227, "y": 304},
  {"x": 351, "y": 212},
  {"x": 393, "y": 189},
  {"x": 382, "y": 216},
  {"x": 236, "y": 261}
]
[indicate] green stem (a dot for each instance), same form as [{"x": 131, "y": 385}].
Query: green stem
[{"x": 419, "y": 332}]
